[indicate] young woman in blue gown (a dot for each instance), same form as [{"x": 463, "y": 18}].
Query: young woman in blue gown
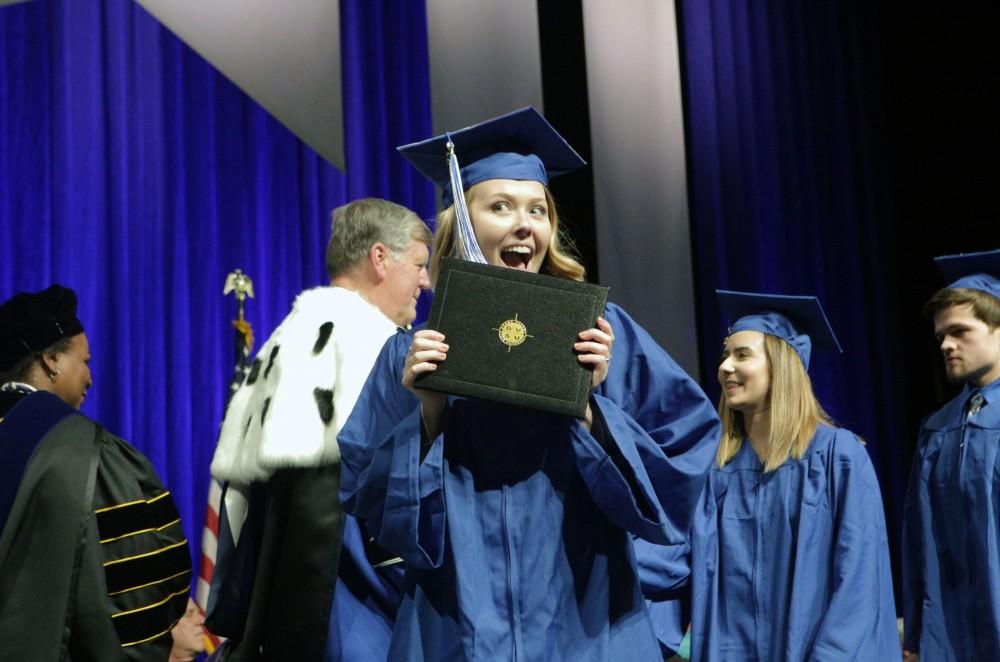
[
  {"x": 516, "y": 524},
  {"x": 788, "y": 556}
]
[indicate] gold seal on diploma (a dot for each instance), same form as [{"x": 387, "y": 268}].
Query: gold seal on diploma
[{"x": 512, "y": 332}]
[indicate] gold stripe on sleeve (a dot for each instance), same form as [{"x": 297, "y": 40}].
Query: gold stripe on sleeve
[
  {"x": 135, "y": 533},
  {"x": 158, "y": 581},
  {"x": 152, "y": 553},
  {"x": 132, "y": 503},
  {"x": 164, "y": 601}
]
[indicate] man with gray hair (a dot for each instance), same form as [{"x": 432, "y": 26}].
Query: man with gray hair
[
  {"x": 365, "y": 233},
  {"x": 274, "y": 595}
]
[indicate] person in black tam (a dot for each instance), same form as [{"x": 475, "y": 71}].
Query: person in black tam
[
  {"x": 42, "y": 344},
  {"x": 93, "y": 560}
]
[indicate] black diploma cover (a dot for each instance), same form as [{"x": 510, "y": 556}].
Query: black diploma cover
[{"x": 510, "y": 336}]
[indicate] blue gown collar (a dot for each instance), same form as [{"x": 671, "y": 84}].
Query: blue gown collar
[
  {"x": 746, "y": 458},
  {"x": 991, "y": 392},
  {"x": 952, "y": 414}
]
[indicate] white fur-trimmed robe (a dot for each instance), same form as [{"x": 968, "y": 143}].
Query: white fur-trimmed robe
[
  {"x": 302, "y": 387},
  {"x": 271, "y": 589}
]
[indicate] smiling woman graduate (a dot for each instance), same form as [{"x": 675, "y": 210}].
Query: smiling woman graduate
[
  {"x": 514, "y": 523},
  {"x": 789, "y": 557}
]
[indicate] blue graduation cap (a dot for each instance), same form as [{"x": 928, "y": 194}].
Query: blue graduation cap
[
  {"x": 974, "y": 271},
  {"x": 520, "y": 145},
  {"x": 798, "y": 320}
]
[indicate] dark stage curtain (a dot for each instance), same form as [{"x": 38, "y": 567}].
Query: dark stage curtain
[
  {"x": 786, "y": 172},
  {"x": 133, "y": 172}
]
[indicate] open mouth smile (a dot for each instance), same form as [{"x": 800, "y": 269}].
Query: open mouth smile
[{"x": 516, "y": 257}]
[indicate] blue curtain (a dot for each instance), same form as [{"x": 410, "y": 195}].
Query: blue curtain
[
  {"x": 787, "y": 195},
  {"x": 133, "y": 172}
]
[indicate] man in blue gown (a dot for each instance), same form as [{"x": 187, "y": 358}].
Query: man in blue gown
[
  {"x": 515, "y": 523},
  {"x": 951, "y": 530}
]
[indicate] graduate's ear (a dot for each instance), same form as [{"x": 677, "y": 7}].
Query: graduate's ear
[{"x": 378, "y": 257}]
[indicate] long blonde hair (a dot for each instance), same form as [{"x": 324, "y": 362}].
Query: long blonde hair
[
  {"x": 559, "y": 259},
  {"x": 794, "y": 410}
]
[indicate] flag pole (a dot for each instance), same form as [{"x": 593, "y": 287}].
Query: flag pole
[{"x": 241, "y": 285}]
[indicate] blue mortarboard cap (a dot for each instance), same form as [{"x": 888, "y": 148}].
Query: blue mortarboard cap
[
  {"x": 798, "y": 320},
  {"x": 974, "y": 271},
  {"x": 520, "y": 145}
]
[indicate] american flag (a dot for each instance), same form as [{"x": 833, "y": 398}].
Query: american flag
[{"x": 243, "y": 343}]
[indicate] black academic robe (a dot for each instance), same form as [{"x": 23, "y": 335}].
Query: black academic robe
[
  {"x": 93, "y": 560},
  {"x": 290, "y": 547}
]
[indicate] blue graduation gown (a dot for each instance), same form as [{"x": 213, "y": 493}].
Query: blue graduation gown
[
  {"x": 364, "y": 603},
  {"x": 794, "y": 564},
  {"x": 664, "y": 576},
  {"x": 951, "y": 534},
  {"x": 514, "y": 526}
]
